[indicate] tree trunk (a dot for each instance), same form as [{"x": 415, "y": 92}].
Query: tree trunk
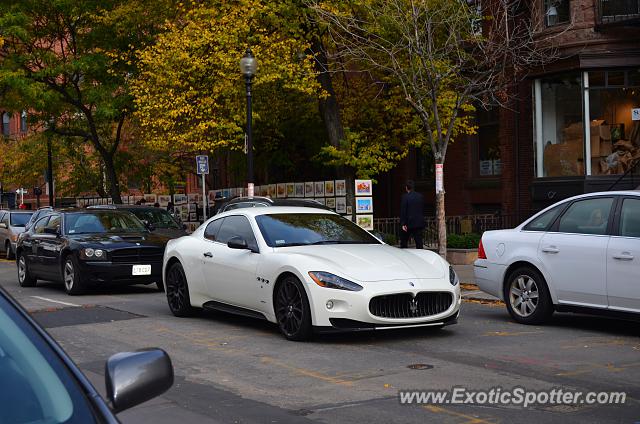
[
  {"x": 329, "y": 109},
  {"x": 112, "y": 178},
  {"x": 441, "y": 221}
]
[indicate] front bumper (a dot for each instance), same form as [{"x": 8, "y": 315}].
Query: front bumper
[
  {"x": 106, "y": 272},
  {"x": 350, "y": 311}
]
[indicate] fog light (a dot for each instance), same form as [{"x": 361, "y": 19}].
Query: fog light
[{"x": 329, "y": 304}]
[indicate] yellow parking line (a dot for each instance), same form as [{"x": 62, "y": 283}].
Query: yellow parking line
[
  {"x": 306, "y": 372},
  {"x": 469, "y": 419}
]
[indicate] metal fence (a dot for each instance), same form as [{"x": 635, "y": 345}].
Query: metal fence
[{"x": 390, "y": 227}]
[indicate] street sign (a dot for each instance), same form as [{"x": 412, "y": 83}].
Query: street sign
[{"x": 202, "y": 164}]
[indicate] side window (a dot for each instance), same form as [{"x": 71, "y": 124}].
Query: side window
[
  {"x": 589, "y": 216},
  {"x": 212, "y": 229},
  {"x": 630, "y": 218},
  {"x": 5, "y": 218},
  {"x": 40, "y": 224},
  {"x": 237, "y": 226},
  {"x": 542, "y": 222},
  {"x": 54, "y": 222},
  {"x": 2, "y": 216}
]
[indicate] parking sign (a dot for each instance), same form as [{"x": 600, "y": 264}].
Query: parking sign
[{"x": 202, "y": 164}]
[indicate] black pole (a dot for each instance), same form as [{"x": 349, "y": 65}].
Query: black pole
[
  {"x": 249, "y": 135},
  {"x": 50, "y": 172}
]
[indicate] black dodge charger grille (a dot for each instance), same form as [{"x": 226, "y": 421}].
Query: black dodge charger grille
[
  {"x": 137, "y": 255},
  {"x": 404, "y": 305}
]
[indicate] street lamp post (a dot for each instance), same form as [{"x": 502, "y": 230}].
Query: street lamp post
[{"x": 248, "y": 66}]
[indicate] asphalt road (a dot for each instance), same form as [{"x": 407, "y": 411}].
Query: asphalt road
[{"x": 237, "y": 370}]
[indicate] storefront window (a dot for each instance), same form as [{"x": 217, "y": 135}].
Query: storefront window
[
  {"x": 488, "y": 143},
  {"x": 615, "y": 136},
  {"x": 608, "y": 101},
  {"x": 559, "y": 129}
]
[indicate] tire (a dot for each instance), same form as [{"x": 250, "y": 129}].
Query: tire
[
  {"x": 7, "y": 252},
  {"x": 178, "y": 292},
  {"x": 292, "y": 310},
  {"x": 73, "y": 284},
  {"x": 25, "y": 279},
  {"x": 527, "y": 296}
]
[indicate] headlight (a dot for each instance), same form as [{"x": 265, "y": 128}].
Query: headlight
[
  {"x": 330, "y": 281},
  {"x": 14, "y": 237},
  {"x": 453, "y": 277},
  {"x": 93, "y": 254}
]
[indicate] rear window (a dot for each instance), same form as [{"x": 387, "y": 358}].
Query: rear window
[{"x": 20, "y": 219}]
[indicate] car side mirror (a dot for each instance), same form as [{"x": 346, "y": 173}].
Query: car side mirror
[
  {"x": 54, "y": 231},
  {"x": 135, "y": 377},
  {"x": 237, "y": 243},
  {"x": 3, "y": 225}
]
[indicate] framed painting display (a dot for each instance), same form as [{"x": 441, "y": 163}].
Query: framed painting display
[
  {"x": 349, "y": 209},
  {"x": 341, "y": 188},
  {"x": 329, "y": 188},
  {"x": 341, "y": 204},
  {"x": 150, "y": 199},
  {"x": 330, "y": 202},
  {"x": 299, "y": 190},
  {"x": 281, "y": 190},
  {"x": 272, "y": 191},
  {"x": 364, "y": 188},
  {"x": 364, "y": 205},
  {"x": 319, "y": 189},
  {"x": 308, "y": 189},
  {"x": 291, "y": 188},
  {"x": 365, "y": 221},
  {"x": 164, "y": 200}
]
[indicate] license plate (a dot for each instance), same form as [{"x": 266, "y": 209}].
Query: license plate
[{"x": 141, "y": 270}]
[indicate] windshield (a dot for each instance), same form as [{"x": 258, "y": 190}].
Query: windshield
[
  {"x": 20, "y": 219},
  {"x": 158, "y": 217},
  {"x": 101, "y": 222},
  {"x": 302, "y": 229},
  {"x": 35, "y": 384}
]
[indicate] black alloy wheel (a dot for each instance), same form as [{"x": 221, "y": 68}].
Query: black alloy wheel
[
  {"x": 292, "y": 310},
  {"x": 71, "y": 276},
  {"x": 178, "y": 292},
  {"x": 25, "y": 279}
]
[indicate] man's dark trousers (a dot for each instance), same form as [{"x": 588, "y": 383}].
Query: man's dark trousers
[{"x": 415, "y": 234}]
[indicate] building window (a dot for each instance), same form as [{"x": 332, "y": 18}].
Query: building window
[
  {"x": 614, "y": 134},
  {"x": 556, "y": 12},
  {"x": 23, "y": 122},
  {"x": 559, "y": 129},
  {"x": 489, "y": 163},
  {"x": 602, "y": 107},
  {"x": 6, "y": 124}
]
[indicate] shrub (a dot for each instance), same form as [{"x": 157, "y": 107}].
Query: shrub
[{"x": 463, "y": 241}]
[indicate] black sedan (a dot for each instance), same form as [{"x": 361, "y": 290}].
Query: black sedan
[
  {"x": 39, "y": 383},
  {"x": 159, "y": 220},
  {"x": 85, "y": 248}
]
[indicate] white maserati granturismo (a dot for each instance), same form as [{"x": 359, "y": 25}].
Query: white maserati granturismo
[{"x": 307, "y": 269}]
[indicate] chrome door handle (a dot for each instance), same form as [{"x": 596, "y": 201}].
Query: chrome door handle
[
  {"x": 208, "y": 255},
  {"x": 624, "y": 256},
  {"x": 550, "y": 249}
]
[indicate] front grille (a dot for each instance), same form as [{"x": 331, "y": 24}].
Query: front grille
[
  {"x": 404, "y": 305},
  {"x": 137, "y": 255}
]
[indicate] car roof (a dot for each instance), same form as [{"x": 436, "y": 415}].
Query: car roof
[
  {"x": 112, "y": 206},
  {"x": 275, "y": 210}
]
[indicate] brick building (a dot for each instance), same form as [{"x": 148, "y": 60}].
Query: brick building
[{"x": 533, "y": 154}]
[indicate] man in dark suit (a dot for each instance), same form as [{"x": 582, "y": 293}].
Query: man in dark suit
[{"x": 411, "y": 216}]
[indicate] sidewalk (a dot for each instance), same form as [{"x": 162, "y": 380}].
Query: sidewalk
[{"x": 468, "y": 285}]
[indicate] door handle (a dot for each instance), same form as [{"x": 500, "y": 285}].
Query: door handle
[
  {"x": 208, "y": 255},
  {"x": 624, "y": 256},
  {"x": 550, "y": 249}
]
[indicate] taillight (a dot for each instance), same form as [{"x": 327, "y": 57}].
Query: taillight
[{"x": 481, "y": 253}]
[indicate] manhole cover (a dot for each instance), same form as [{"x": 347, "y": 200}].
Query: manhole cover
[
  {"x": 419, "y": 366},
  {"x": 81, "y": 315}
]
